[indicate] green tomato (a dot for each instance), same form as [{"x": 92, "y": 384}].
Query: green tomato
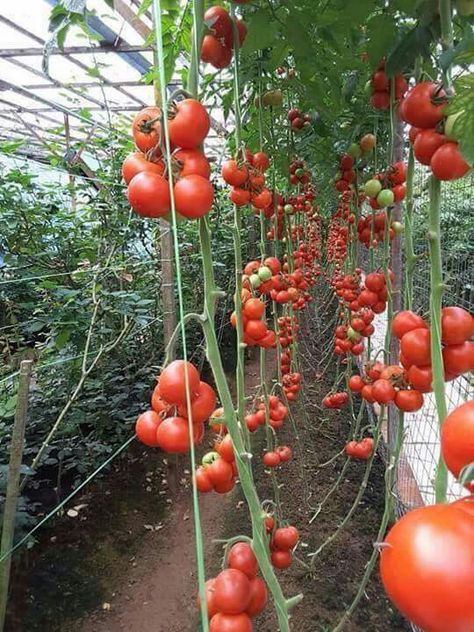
[
  {"x": 288, "y": 208},
  {"x": 264, "y": 273},
  {"x": 385, "y": 198},
  {"x": 397, "y": 227},
  {"x": 255, "y": 281},
  {"x": 209, "y": 458},
  {"x": 449, "y": 125},
  {"x": 372, "y": 188},
  {"x": 273, "y": 97},
  {"x": 299, "y": 172},
  {"x": 353, "y": 335},
  {"x": 354, "y": 150}
]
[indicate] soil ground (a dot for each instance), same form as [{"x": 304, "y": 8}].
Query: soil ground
[{"x": 127, "y": 561}]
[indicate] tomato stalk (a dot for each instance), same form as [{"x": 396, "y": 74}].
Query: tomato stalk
[
  {"x": 436, "y": 298},
  {"x": 410, "y": 257}
]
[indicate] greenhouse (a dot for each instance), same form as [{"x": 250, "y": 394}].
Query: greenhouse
[{"x": 237, "y": 316}]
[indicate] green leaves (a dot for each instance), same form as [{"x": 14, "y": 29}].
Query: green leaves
[
  {"x": 262, "y": 33},
  {"x": 462, "y": 104},
  {"x": 381, "y": 30}
]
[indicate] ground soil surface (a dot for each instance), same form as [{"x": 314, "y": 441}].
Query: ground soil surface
[{"x": 127, "y": 561}]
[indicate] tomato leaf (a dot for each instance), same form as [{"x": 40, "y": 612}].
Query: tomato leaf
[
  {"x": 416, "y": 43},
  {"x": 463, "y": 52},
  {"x": 262, "y": 32},
  {"x": 462, "y": 104},
  {"x": 381, "y": 31}
]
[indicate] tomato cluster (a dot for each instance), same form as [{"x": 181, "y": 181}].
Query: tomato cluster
[
  {"x": 166, "y": 426},
  {"x": 299, "y": 173},
  {"x": 218, "y": 43},
  {"x": 247, "y": 178},
  {"x": 380, "y": 87},
  {"x": 457, "y": 327},
  {"x": 371, "y": 229},
  {"x": 298, "y": 120},
  {"x": 346, "y": 175},
  {"x": 388, "y": 187},
  {"x": 145, "y": 171},
  {"x": 277, "y": 412},
  {"x": 283, "y": 540},
  {"x": 362, "y": 450},
  {"x": 218, "y": 471},
  {"x": 291, "y": 385},
  {"x": 274, "y": 458},
  {"x": 432, "y": 133},
  {"x": 236, "y": 595},
  {"x": 336, "y": 400}
]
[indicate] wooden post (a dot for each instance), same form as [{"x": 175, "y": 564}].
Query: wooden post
[
  {"x": 167, "y": 282},
  {"x": 11, "y": 499}
]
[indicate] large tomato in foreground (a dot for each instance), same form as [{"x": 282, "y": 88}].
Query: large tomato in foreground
[
  {"x": 427, "y": 568},
  {"x": 193, "y": 196},
  {"x": 190, "y": 125},
  {"x": 149, "y": 194},
  {"x": 172, "y": 383},
  {"x": 457, "y": 440}
]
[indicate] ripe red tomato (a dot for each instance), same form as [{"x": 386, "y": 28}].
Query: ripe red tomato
[
  {"x": 202, "y": 405},
  {"x": 459, "y": 359},
  {"x": 203, "y": 482},
  {"x": 243, "y": 559},
  {"x": 136, "y": 162},
  {"x": 421, "y": 378},
  {"x": 380, "y": 100},
  {"x": 271, "y": 459},
  {"x": 457, "y": 325},
  {"x": 457, "y": 440},
  {"x": 215, "y": 52},
  {"x": 406, "y": 321},
  {"x": 254, "y": 308},
  {"x": 261, "y": 200},
  {"x": 447, "y": 163},
  {"x": 427, "y": 569},
  {"x": 285, "y": 538},
  {"x": 415, "y": 346},
  {"x": 209, "y": 592},
  {"x": 225, "y": 486},
  {"x": 285, "y": 453},
  {"x": 172, "y": 382},
  {"x": 426, "y": 143},
  {"x": 356, "y": 383},
  {"x": 258, "y": 597},
  {"x": 193, "y": 196},
  {"x": 366, "y": 393},
  {"x": 383, "y": 391},
  {"x": 173, "y": 435},
  {"x": 232, "y": 591},
  {"x": 234, "y": 174},
  {"x": 225, "y": 448},
  {"x": 409, "y": 401},
  {"x": 190, "y": 124},
  {"x": 149, "y": 194},
  {"x": 424, "y": 105},
  {"x": 231, "y": 623},
  {"x": 261, "y": 161},
  {"x": 192, "y": 162},
  {"x": 220, "y": 471},
  {"x": 218, "y": 20},
  {"x": 240, "y": 197},
  {"x": 158, "y": 404},
  {"x": 281, "y": 559},
  {"x": 146, "y": 128},
  {"x": 146, "y": 428}
]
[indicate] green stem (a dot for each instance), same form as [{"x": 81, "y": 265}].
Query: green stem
[
  {"x": 410, "y": 258},
  {"x": 436, "y": 298}
]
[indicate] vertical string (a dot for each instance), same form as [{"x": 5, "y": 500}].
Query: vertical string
[{"x": 196, "y": 512}]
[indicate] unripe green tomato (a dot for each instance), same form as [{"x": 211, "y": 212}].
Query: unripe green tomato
[
  {"x": 209, "y": 458},
  {"x": 265, "y": 273},
  {"x": 255, "y": 281},
  {"x": 273, "y": 97},
  {"x": 288, "y": 208},
  {"x": 385, "y": 198},
  {"x": 353, "y": 335},
  {"x": 449, "y": 124},
  {"x": 354, "y": 150},
  {"x": 372, "y": 188},
  {"x": 397, "y": 227}
]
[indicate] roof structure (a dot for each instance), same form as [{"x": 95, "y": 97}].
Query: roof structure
[{"x": 91, "y": 81}]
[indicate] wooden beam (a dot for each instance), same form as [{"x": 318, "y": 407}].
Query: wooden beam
[
  {"x": 74, "y": 50},
  {"x": 132, "y": 19}
]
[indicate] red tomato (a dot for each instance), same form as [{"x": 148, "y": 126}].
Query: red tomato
[
  {"x": 231, "y": 623},
  {"x": 172, "y": 382},
  {"x": 209, "y": 592},
  {"x": 258, "y": 597},
  {"x": 240, "y": 197},
  {"x": 243, "y": 559},
  {"x": 271, "y": 459},
  {"x": 220, "y": 471},
  {"x": 202, "y": 405},
  {"x": 424, "y": 105},
  {"x": 285, "y": 453},
  {"x": 173, "y": 435},
  {"x": 224, "y": 487},
  {"x": 203, "y": 482},
  {"x": 190, "y": 125},
  {"x": 447, "y": 163},
  {"x": 192, "y": 162},
  {"x": 459, "y": 359},
  {"x": 426, "y": 143},
  {"x": 193, "y": 196},
  {"x": 232, "y": 591},
  {"x": 234, "y": 174},
  {"x": 457, "y": 325},
  {"x": 457, "y": 440},
  {"x": 146, "y": 428},
  {"x": 254, "y": 308},
  {"x": 356, "y": 383},
  {"x": 281, "y": 559},
  {"x": 136, "y": 162},
  {"x": 383, "y": 391},
  {"x": 218, "y": 20},
  {"x": 427, "y": 568},
  {"x": 415, "y": 346},
  {"x": 409, "y": 401},
  {"x": 421, "y": 378},
  {"x": 366, "y": 393},
  {"x": 146, "y": 128},
  {"x": 149, "y": 194},
  {"x": 225, "y": 448},
  {"x": 261, "y": 161},
  {"x": 405, "y": 321},
  {"x": 158, "y": 404},
  {"x": 285, "y": 538}
]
